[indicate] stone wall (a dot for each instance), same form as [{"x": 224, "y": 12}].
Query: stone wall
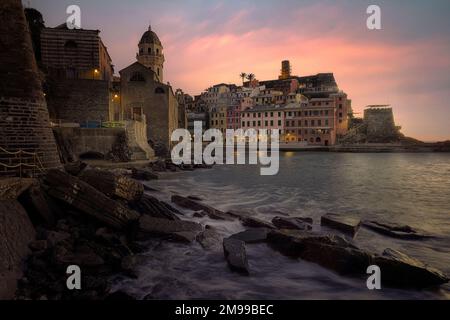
[
  {"x": 24, "y": 119},
  {"x": 79, "y": 100}
]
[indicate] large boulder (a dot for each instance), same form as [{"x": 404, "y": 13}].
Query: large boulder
[
  {"x": 236, "y": 255},
  {"x": 88, "y": 200},
  {"x": 330, "y": 251},
  {"x": 16, "y": 234},
  {"x": 401, "y": 270},
  {"x": 347, "y": 224}
]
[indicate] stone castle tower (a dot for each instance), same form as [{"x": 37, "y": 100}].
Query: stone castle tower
[
  {"x": 24, "y": 119},
  {"x": 285, "y": 70},
  {"x": 151, "y": 53}
]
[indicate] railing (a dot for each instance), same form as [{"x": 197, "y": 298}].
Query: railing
[
  {"x": 21, "y": 156},
  {"x": 90, "y": 124}
]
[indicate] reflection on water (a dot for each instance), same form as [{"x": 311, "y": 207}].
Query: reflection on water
[{"x": 409, "y": 189}]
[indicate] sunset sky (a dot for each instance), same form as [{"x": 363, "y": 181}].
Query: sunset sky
[{"x": 406, "y": 64}]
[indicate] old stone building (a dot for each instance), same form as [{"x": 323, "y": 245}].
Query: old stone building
[
  {"x": 143, "y": 95},
  {"x": 24, "y": 119},
  {"x": 79, "y": 74},
  {"x": 75, "y": 54}
]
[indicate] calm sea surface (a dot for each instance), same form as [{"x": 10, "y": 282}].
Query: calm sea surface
[{"x": 411, "y": 189}]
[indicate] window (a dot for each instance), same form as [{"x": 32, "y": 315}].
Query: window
[
  {"x": 340, "y": 106},
  {"x": 271, "y": 114},
  {"x": 149, "y": 50},
  {"x": 319, "y": 122},
  {"x": 326, "y": 122},
  {"x": 279, "y": 122},
  {"x": 159, "y": 90},
  {"x": 243, "y": 123},
  {"x": 259, "y": 123},
  {"x": 137, "y": 77},
  {"x": 313, "y": 123},
  {"x": 158, "y": 71},
  {"x": 271, "y": 123},
  {"x": 266, "y": 123}
]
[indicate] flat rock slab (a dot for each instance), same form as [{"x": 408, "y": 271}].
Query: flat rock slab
[
  {"x": 347, "y": 224},
  {"x": 252, "y": 222},
  {"x": 401, "y": 270},
  {"x": 396, "y": 231},
  {"x": 329, "y": 251},
  {"x": 292, "y": 223},
  {"x": 255, "y": 235},
  {"x": 236, "y": 255},
  {"x": 185, "y": 231}
]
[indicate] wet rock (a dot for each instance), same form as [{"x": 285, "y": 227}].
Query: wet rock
[
  {"x": 75, "y": 168},
  {"x": 55, "y": 237},
  {"x": 197, "y": 206},
  {"x": 254, "y": 235},
  {"x": 36, "y": 202},
  {"x": 180, "y": 229},
  {"x": 12, "y": 188},
  {"x": 143, "y": 174},
  {"x": 195, "y": 198},
  {"x": 130, "y": 263},
  {"x": 236, "y": 255},
  {"x": 347, "y": 224},
  {"x": 38, "y": 245},
  {"x": 16, "y": 233},
  {"x": 239, "y": 213},
  {"x": 210, "y": 239},
  {"x": 398, "y": 269},
  {"x": 396, "y": 231},
  {"x": 252, "y": 222},
  {"x": 83, "y": 256},
  {"x": 113, "y": 185},
  {"x": 151, "y": 206},
  {"x": 200, "y": 214},
  {"x": 292, "y": 223},
  {"x": 184, "y": 236},
  {"x": 329, "y": 251},
  {"x": 88, "y": 200}
]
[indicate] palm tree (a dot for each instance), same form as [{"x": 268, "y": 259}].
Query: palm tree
[
  {"x": 250, "y": 77},
  {"x": 243, "y": 75}
]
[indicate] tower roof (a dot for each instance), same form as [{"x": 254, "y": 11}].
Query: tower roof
[{"x": 150, "y": 37}]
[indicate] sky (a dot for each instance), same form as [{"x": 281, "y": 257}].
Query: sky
[{"x": 405, "y": 64}]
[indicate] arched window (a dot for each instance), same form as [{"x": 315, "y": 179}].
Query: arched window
[
  {"x": 157, "y": 51},
  {"x": 318, "y": 140},
  {"x": 137, "y": 77},
  {"x": 159, "y": 90},
  {"x": 70, "y": 44},
  {"x": 150, "y": 50},
  {"x": 158, "y": 71}
]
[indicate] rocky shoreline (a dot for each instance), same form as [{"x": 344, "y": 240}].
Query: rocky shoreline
[{"x": 96, "y": 218}]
